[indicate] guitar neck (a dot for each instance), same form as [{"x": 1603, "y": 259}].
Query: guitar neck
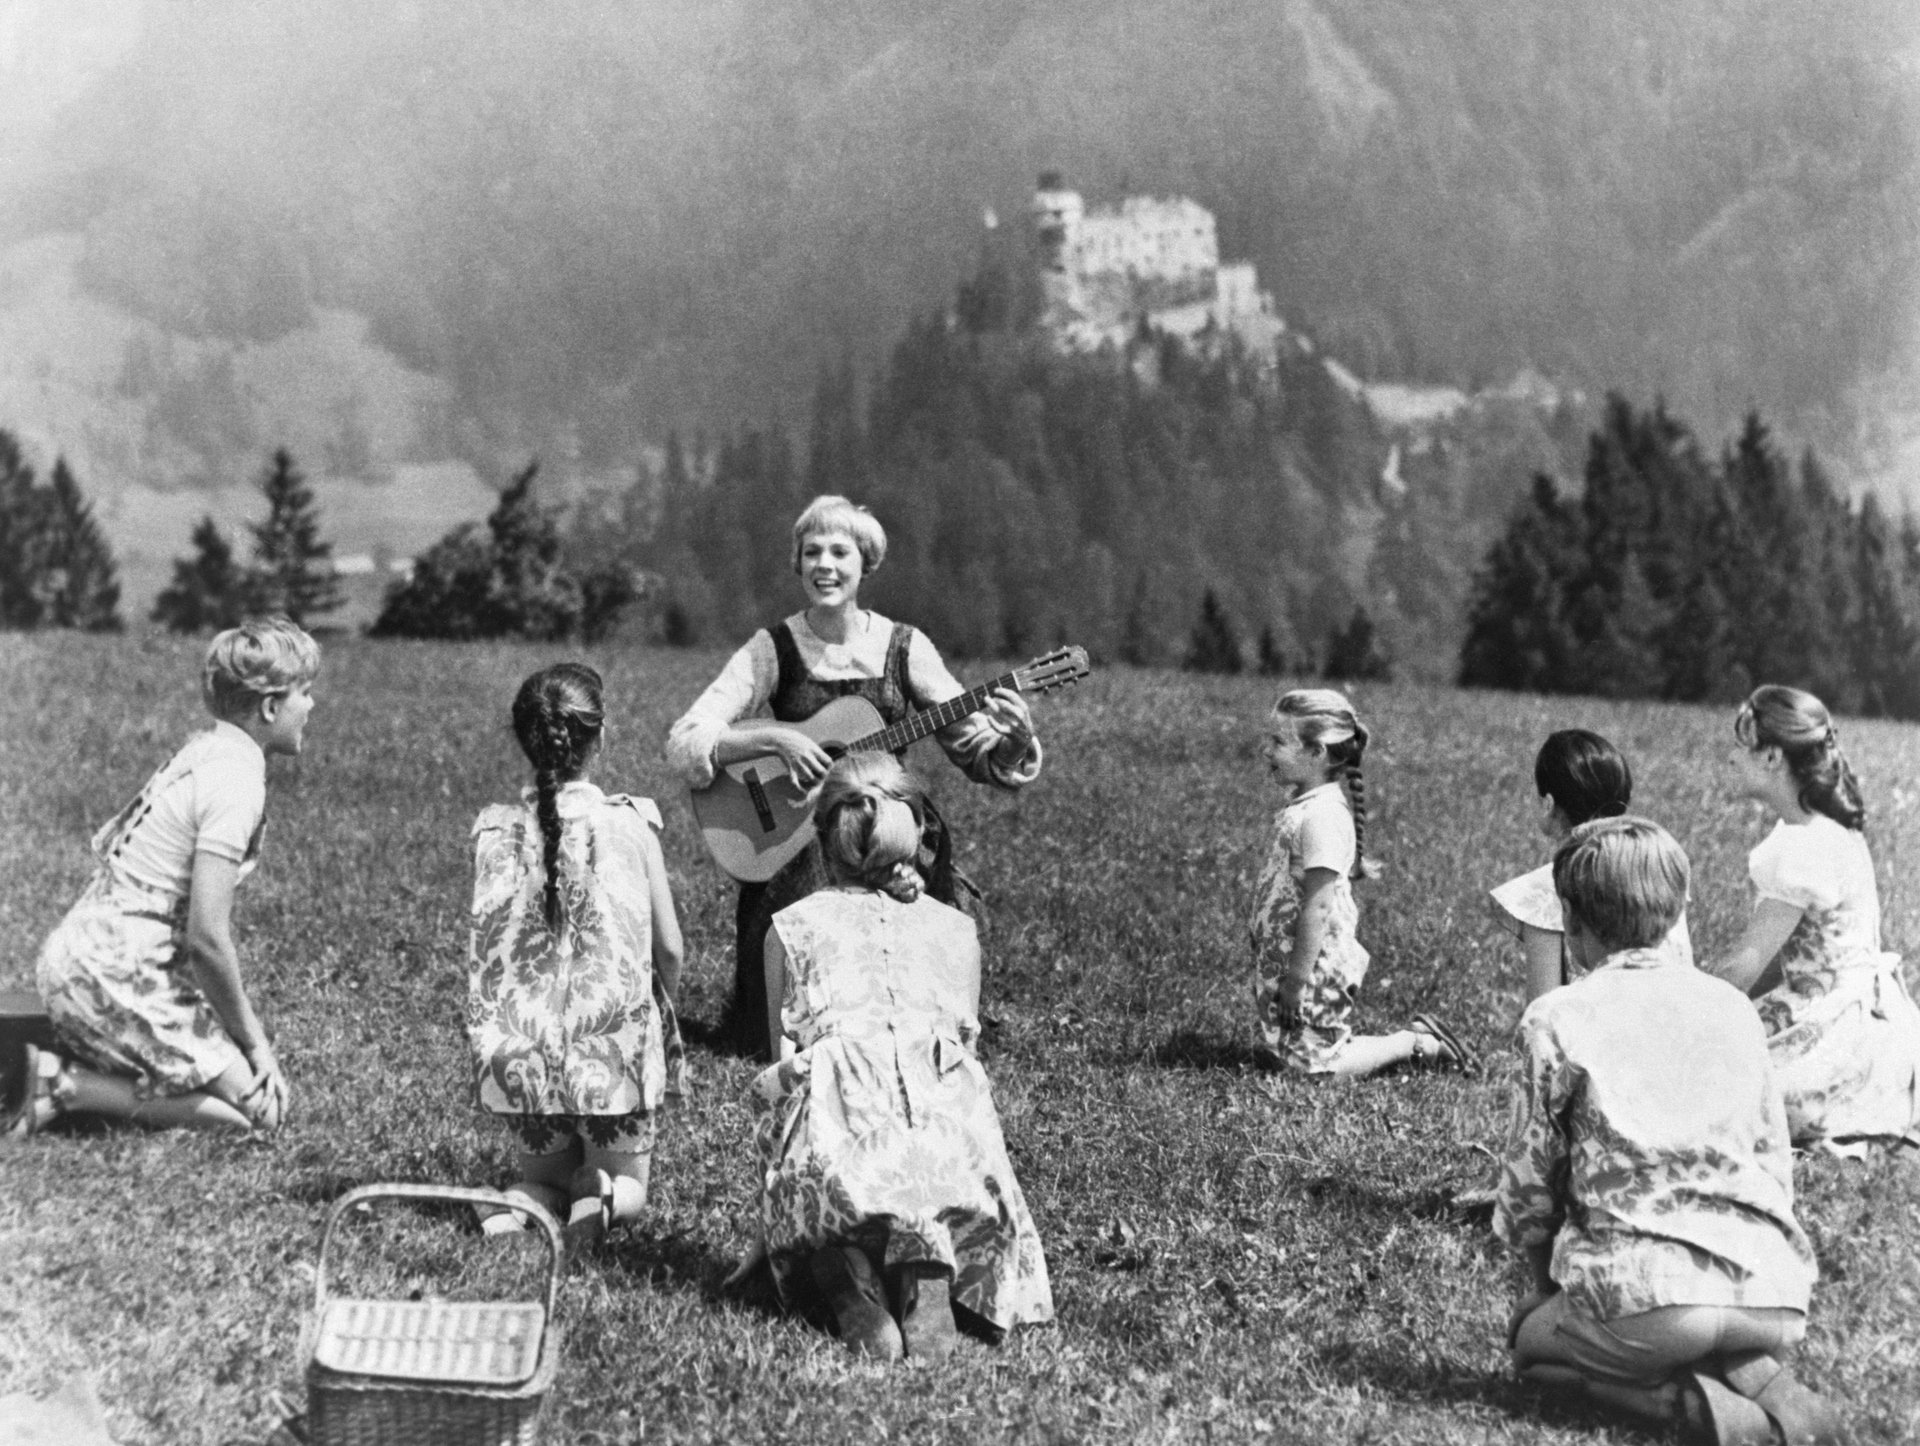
[{"x": 911, "y": 730}]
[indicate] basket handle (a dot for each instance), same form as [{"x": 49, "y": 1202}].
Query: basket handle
[{"x": 456, "y": 1194}]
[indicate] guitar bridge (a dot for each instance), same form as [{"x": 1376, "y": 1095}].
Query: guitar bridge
[{"x": 758, "y": 794}]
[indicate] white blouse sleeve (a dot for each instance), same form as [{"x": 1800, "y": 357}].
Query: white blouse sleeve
[
  {"x": 742, "y": 689},
  {"x": 1795, "y": 865},
  {"x": 1528, "y": 901},
  {"x": 971, "y": 742},
  {"x": 1327, "y": 837}
]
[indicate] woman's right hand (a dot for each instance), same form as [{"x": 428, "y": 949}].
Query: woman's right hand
[{"x": 807, "y": 762}]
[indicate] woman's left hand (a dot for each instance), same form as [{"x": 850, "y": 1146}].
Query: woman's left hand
[{"x": 1009, "y": 715}]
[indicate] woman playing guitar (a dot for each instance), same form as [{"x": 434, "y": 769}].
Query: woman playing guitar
[{"x": 831, "y": 649}]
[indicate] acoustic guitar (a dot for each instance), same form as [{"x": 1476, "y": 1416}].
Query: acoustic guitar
[{"x": 754, "y": 818}]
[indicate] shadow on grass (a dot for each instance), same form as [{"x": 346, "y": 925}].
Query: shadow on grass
[
  {"x": 680, "y": 1263},
  {"x": 1191, "y": 1049},
  {"x": 1417, "y": 1378}
]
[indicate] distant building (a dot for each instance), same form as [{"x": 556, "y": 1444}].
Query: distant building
[{"x": 1106, "y": 270}]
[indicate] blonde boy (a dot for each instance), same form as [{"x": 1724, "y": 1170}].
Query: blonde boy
[
  {"x": 1650, "y": 1184},
  {"x": 141, "y": 979}
]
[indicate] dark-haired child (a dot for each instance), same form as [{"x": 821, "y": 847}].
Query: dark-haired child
[
  {"x": 1650, "y": 1179},
  {"x": 573, "y": 966},
  {"x": 142, "y": 978},
  {"x": 1844, "y": 1032},
  {"x": 1580, "y": 777}
]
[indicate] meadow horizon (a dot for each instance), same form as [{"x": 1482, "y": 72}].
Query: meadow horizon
[{"x": 1235, "y": 1256}]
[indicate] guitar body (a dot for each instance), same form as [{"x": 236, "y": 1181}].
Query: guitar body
[{"x": 752, "y": 817}]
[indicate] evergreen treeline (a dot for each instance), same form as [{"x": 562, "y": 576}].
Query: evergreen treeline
[
  {"x": 1032, "y": 499},
  {"x": 511, "y": 578},
  {"x": 56, "y": 570},
  {"x": 1674, "y": 576},
  {"x": 291, "y": 572}
]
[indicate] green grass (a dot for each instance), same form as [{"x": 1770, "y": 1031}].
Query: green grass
[{"x": 1234, "y": 1257}]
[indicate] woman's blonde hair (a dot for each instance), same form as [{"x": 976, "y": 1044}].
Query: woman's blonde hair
[
  {"x": 1798, "y": 724},
  {"x": 259, "y": 659},
  {"x": 828, "y": 513},
  {"x": 1325, "y": 720},
  {"x": 869, "y": 818}
]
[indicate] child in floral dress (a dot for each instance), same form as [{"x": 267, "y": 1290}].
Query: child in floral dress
[
  {"x": 573, "y": 965},
  {"x": 1580, "y": 777},
  {"x": 141, "y": 980},
  {"x": 884, "y": 1177},
  {"x": 1308, "y": 963},
  {"x": 1842, "y": 1028},
  {"x": 1649, "y": 1182}
]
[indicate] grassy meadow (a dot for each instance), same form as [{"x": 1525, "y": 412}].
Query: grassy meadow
[{"x": 1235, "y": 1257}]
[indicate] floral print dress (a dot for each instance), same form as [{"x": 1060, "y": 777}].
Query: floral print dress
[
  {"x": 881, "y": 1131},
  {"x": 1314, "y": 831},
  {"x": 1650, "y": 1146},
  {"x": 577, "y": 1026},
  {"x": 1841, "y": 1026},
  {"x": 116, "y": 975}
]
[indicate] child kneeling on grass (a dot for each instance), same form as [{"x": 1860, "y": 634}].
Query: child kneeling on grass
[
  {"x": 1651, "y": 1182},
  {"x": 141, "y": 980},
  {"x": 572, "y": 969}
]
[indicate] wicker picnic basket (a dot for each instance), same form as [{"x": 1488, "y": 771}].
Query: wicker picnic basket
[{"x": 430, "y": 1372}]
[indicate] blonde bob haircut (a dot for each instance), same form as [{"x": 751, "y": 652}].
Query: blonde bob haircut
[
  {"x": 261, "y": 658},
  {"x": 828, "y": 513},
  {"x": 1625, "y": 880}
]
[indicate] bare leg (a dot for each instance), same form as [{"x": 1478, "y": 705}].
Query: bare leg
[
  {"x": 211, "y": 1108},
  {"x": 1367, "y": 1054},
  {"x": 631, "y": 1172}
]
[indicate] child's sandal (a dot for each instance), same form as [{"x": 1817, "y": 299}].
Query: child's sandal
[
  {"x": 591, "y": 1215},
  {"x": 1456, "y": 1049},
  {"x": 39, "y": 1078}
]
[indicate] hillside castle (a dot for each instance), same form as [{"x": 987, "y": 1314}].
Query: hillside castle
[{"x": 1104, "y": 271}]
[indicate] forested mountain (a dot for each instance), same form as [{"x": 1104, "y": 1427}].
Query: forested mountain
[{"x": 593, "y": 222}]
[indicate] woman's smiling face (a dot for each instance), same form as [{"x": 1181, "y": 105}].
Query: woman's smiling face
[{"x": 831, "y": 568}]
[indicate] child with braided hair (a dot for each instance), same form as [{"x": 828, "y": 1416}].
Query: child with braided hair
[
  {"x": 1841, "y": 1027},
  {"x": 1308, "y": 964},
  {"x": 573, "y": 966}
]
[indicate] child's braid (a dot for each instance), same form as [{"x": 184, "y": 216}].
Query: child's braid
[
  {"x": 557, "y": 718},
  {"x": 1347, "y": 753}
]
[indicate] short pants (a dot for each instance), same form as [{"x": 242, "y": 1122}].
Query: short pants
[{"x": 1645, "y": 1349}]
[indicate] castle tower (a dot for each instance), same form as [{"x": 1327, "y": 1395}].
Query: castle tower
[{"x": 1053, "y": 223}]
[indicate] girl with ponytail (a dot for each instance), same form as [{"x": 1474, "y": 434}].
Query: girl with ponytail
[
  {"x": 1843, "y": 1031},
  {"x": 1580, "y": 776},
  {"x": 573, "y": 966},
  {"x": 885, "y": 1181},
  {"x": 1308, "y": 964}
]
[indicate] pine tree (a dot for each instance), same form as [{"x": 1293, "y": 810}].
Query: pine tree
[
  {"x": 1353, "y": 652},
  {"x": 1212, "y": 646},
  {"x": 23, "y": 537},
  {"x": 292, "y": 570},
  {"x": 532, "y": 594},
  {"x": 56, "y": 569},
  {"x": 208, "y": 590},
  {"x": 1518, "y": 631},
  {"x": 1271, "y": 662},
  {"x": 78, "y": 585}
]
